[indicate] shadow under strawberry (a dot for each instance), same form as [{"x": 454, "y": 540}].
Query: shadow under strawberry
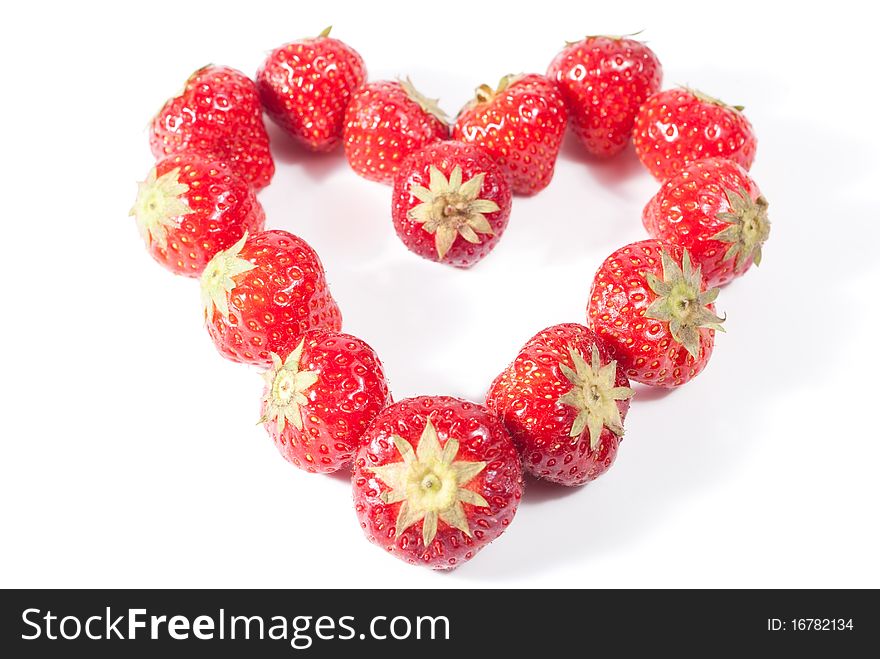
[
  {"x": 317, "y": 166},
  {"x": 608, "y": 171}
]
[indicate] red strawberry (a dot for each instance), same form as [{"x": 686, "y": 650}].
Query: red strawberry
[
  {"x": 604, "y": 80},
  {"x": 385, "y": 122},
  {"x": 189, "y": 208},
  {"x": 564, "y": 402},
  {"x": 655, "y": 313},
  {"x": 306, "y": 85},
  {"x": 715, "y": 211},
  {"x": 262, "y": 294},
  {"x": 218, "y": 115},
  {"x": 451, "y": 203},
  {"x": 320, "y": 398},
  {"x": 520, "y": 124},
  {"x": 678, "y": 126},
  {"x": 436, "y": 479}
]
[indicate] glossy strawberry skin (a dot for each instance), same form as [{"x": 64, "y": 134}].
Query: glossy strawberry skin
[
  {"x": 644, "y": 347},
  {"x": 526, "y": 398},
  {"x": 521, "y": 127},
  {"x": 481, "y": 438},
  {"x": 383, "y": 125},
  {"x": 604, "y": 80},
  {"x": 350, "y": 391},
  {"x": 224, "y": 207},
  {"x": 674, "y": 128},
  {"x": 446, "y": 156},
  {"x": 272, "y": 305},
  {"x": 306, "y": 85},
  {"x": 685, "y": 212},
  {"x": 218, "y": 115}
]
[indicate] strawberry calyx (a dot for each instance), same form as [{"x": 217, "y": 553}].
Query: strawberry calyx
[
  {"x": 711, "y": 99},
  {"x": 160, "y": 205},
  {"x": 680, "y": 302},
  {"x": 218, "y": 278},
  {"x": 182, "y": 90},
  {"x": 613, "y": 37},
  {"x": 594, "y": 395},
  {"x": 484, "y": 93},
  {"x": 285, "y": 393},
  {"x": 452, "y": 208},
  {"x": 192, "y": 76},
  {"x": 325, "y": 32},
  {"x": 429, "y": 484},
  {"x": 429, "y": 105},
  {"x": 749, "y": 227}
]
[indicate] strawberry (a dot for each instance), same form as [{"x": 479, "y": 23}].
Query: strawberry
[
  {"x": 714, "y": 210},
  {"x": 654, "y": 311},
  {"x": 385, "y": 122},
  {"x": 520, "y": 124},
  {"x": 451, "y": 203},
  {"x": 604, "y": 80},
  {"x": 320, "y": 397},
  {"x": 564, "y": 401},
  {"x": 435, "y": 480},
  {"x": 262, "y": 294},
  {"x": 217, "y": 115},
  {"x": 306, "y": 85},
  {"x": 189, "y": 208},
  {"x": 678, "y": 126}
]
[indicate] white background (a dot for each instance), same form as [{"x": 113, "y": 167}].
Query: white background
[{"x": 130, "y": 454}]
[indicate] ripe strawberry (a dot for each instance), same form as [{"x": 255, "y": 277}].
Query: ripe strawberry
[
  {"x": 262, "y": 294},
  {"x": 451, "y": 203},
  {"x": 217, "y": 115},
  {"x": 320, "y": 398},
  {"x": 435, "y": 480},
  {"x": 189, "y": 208},
  {"x": 306, "y": 85},
  {"x": 678, "y": 126},
  {"x": 655, "y": 313},
  {"x": 385, "y": 122},
  {"x": 715, "y": 211},
  {"x": 520, "y": 124},
  {"x": 564, "y": 401},
  {"x": 604, "y": 80}
]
